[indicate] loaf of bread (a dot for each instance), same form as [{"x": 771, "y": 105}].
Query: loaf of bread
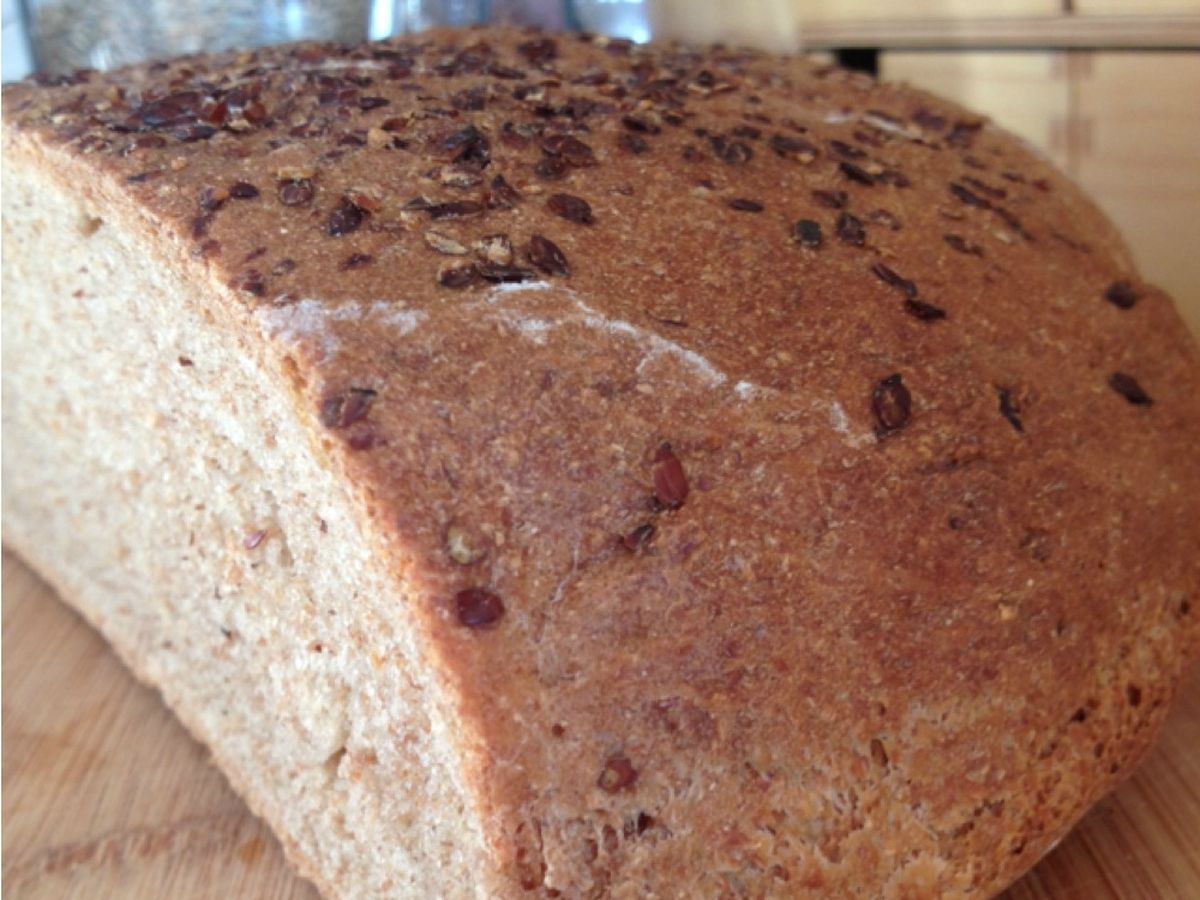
[{"x": 543, "y": 466}]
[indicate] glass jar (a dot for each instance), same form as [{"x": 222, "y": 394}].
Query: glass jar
[
  {"x": 615, "y": 18},
  {"x": 389, "y": 17},
  {"x": 103, "y": 34}
]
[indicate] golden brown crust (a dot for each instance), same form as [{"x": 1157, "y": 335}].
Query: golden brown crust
[{"x": 898, "y": 632}]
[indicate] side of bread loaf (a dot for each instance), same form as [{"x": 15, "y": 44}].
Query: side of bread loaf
[
  {"x": 157, "y": 474},
  {"x": 548, "y": 467}
]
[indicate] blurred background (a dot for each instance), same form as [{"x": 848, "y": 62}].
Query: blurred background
[{"x": 1109, "y": 89}]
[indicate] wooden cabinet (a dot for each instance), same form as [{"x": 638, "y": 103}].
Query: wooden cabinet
[
  {"x": 873, "y": 10},
  {"x": 1125, "y": 125},
  {"x": 935, "y": 24},
  {"x": 1138, "y": 154},
  {"x": 1028, "y": 92},
  {"x": 786, "y": 24},
  {"x": 1135, "y": 7}
]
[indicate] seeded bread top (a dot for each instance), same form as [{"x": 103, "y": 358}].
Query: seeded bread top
[{"x": 794, "y": 479}]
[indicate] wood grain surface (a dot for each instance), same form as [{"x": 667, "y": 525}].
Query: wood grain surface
[{"x": 106, "y": 796}]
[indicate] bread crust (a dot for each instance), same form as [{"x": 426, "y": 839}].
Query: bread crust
[{"x": 866, "y": 635}]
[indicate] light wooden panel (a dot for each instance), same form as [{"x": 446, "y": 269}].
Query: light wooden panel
[
  {"x": 981, "y": 30},
  {"x": 786, "y": 24},
  {"x": 1139, "y": 156},
  {"x": 1125, "y": 125},
  {"x": 1135, "y": 7},
  {"x": 767, "y": 24},
  {"x": 863, "y": 10},
  {"x": 1028, "y": 93}
]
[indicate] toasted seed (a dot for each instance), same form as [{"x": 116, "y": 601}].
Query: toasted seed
[
  {"x": 571, "y": 208},
  {"x": 794, "y": 148},
  {"x": 468, "y": 147},
  {"x": 742, "y": 204},
  {"x": 670, "y": 482},
  {"x": 296, "y": 193},
  {"x": 846, "y": 151},
  {"x": 1121, "y": 295},
  {"x": 501, "y": 194},
  {"x": 496, "y": 249},
  {"x": 878, "y": 753},
  {"x": 455, "y": 209},
  {"x": 926, "y": 312},
  {"x": 850, "y": 229},
  {"x": 344, "y": 409},
  {"x": 1128, "y": 387},
  {"x": 570, "y": 149},
  {"x": 444, "y": 244},
  {"x": 478, "y": 607},
  {"x": 969, "y": 197},
  {"x": 892, "y": 404},
  {"x": 546, "y": 255},
  {"x": 212, "y": 199},
  {"x": 346, "y": 218},
  {"x": 856, "y": 173},
  {"x": 539, "y": 51},
  {"x": 505, "y": 274},
  {"x": 1009, "y": 409},
  {"x": 735, "y": 153},
  {"x": 462, "y": 547},
  {"x": 617, "y": 775},
  {"x": 356, "y": 261},
  {"x": 632, "y": 143},
  {"x": 641, "y": 124},
  {"x": 962, "y": 245},
  {"x": 831, "y": 199},
  {"x": 457, "y": 277},
  {"x": 551, "y": 168},
  {"x": 807, "y": 233},
  {"x": 637, "y": 538},
  {"x": 250, "y": 282},
  {"x": 892, "y": 278},
  {"x": 243, "y": 190}
]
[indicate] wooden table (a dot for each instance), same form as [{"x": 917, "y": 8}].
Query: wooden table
[{"x": 105, "y": 795}]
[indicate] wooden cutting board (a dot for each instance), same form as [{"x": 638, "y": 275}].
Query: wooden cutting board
[{"x": 106, "y": 796}]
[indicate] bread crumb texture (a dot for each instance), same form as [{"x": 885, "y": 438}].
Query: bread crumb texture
[{"x": 545, "y": 466}]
